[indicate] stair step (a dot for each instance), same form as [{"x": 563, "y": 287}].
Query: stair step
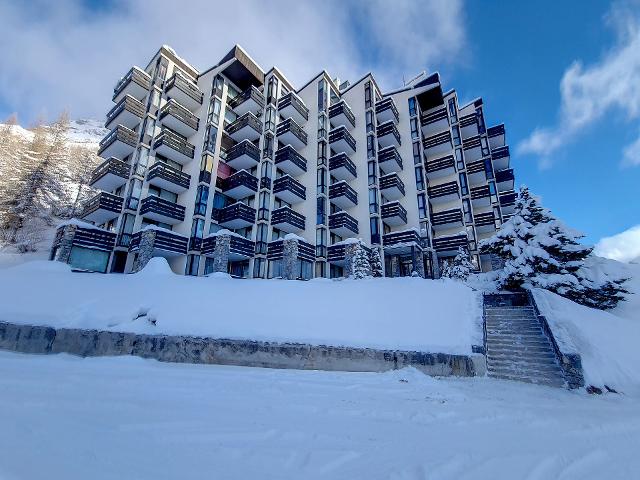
[
  {"x": 551, "y": 382},
  {"x": 539, "y": 351},
  {"x": 526, "y": 355},
  {"x": 528, "y": 365}
]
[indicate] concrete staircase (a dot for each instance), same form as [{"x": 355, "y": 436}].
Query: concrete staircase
[{"x": 517, "y": 348}]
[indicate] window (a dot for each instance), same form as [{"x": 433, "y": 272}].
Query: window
[
  {"x": 373, "y": 200},
  {"x": 142, "y": 162},
  {"x": 471, "y": 237},
  {"x": 453, "y": 111},
  {"x": 374, "y": 226},
  {"x": 214, "y": 110},
  {"x": 267, "y": 148},
  {"x": 369, "y": 118},
  {"x": 414, "y": 128},
  {"x": 210, "y": 138},
  {"x": 202, "y": 196},
  {"x": 485, "y": 146},
  {"x": 480, "y": 118},
  {"x": 193, "y": 262},
  {"x": 322, "y": 95},
  {"x": 322, "y": 152},
  {"x": 464, "y": 189},
  {"x": 161, "y": 72},
  {"x": 492, "y": 192},
  {"x": 322, "y": 126},
  {"x": 258, "y": 267},
  {"x": 126, "y": 229},
  {"x": 367, "y": 95},
  {"x": 416, "y": 154},
  {"x": 466, "y": 208},
  {"x": 419, "y": 178},
  {"x": 496, "y": 216},
  {"x": 321, "y": 182},
  {"x": 455, "y": 131},
  {"x": 262, "y": 236},
  {"x": 150, "y": 127},
  {"x": 459, "y": 159},
  {"x": 155, "y": 98},
  {"x": 217, "y": 86},
  {"x": 135, "y": 188},
  {"x": 270, "y": 119},
  {"x": 371, "y": 146},
  {"x": 412, "y": 107},
  {"x": 206, "y": 167},
  {"x": 263, "y": 206},
  {"x": 197, "y": 233},
  {"x": 265, "y": 172},
  {"x": 321, "y": 242},
  {"x": 422, "y": 206},
  {"x": 321, "y": 269},
  {"x": 272, "y": 90},
  {"x": 321, "y": 215},
  {"x": 488, "y": 169},
  {"x": 371, "y": 169}
]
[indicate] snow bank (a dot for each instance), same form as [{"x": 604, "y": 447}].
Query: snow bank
[
  {"x": 156, "y": 266},
  {"x": 403, "y": 313},
  {"x": 609, "y": 345}
]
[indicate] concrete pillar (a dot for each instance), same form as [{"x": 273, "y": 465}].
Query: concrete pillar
[
  {"x": 63, "y": 252},
  {"x": 221, "y": 254},
  {"x": 145, "y": 250},
  {"x": 436, "y": 265},
  {"x": 290, "y": 259}
]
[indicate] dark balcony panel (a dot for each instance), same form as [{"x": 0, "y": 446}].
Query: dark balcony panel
[
  {"x": 438, "y": 144},
  {"x": 291, "y": 106},
  {"x": 161, "y": 210},
  {"x": 475, "y": 167},
  {"x": 469, "y": 120},
  {"x": 93, "y": 238},
  {"x": 174, "y": 146},
  {"x": 447, "y": 219},
  {"x": 444, "y": 192},
  {"x": 397, "y": 243},
  {"x": 128, "y": 112},
  {"x": 500, "y": 157},
  {"x": 336, "y": 254},
  {"x": 163, "y": 176},
  {"x": 243, "y": 156},
  {"x": 440, "y": 167},
  {"x": 119, "y": 143},
  {"x": 478, "y": 193},
  {"x": 393, "y": 214},
  {"x": 166, "y": 242},
  {"x": 185, "y": 91},
  {"x": 450, "y": 243},
  {"x": 471, "y": 143},
  {"x": 102, "y": 208},
  {"x": 343, "y": 224},
  {"x": 287, "y": 220},
  {"x": 505, "y": 177},
  {"x": 386, "y": 110},
  {"x": 483, "y": 219},
  {"x": 290, "y": 161},
  {"x": 340, "y": 114},
  {"x": 290, "y": 133},
  {"x": 342, "y": 195},
  {"x": 290, "y": 190},
  {"x": 342, "y": 167},
  {"x": 508, "y": 198},
  {"x": 251, "y": 100},
  {"x": 179, "y": 118},
  {"x": 340, "y": 140},
  {"x": 136, "y": 83},
  {"x": 391, "y": 186},
  {"x": 246, "y": 127},
  {"x": 110, "y": 174},
  {"x": 496, "y": 136},
  {"x": 235, "y": 216},
  {"x": 389, "y": 160},
  {"x": 306, "y": 251},
  {"x": 435, "y": 116},
  {"x": 240, "y": 248},
  {"x": 388, "y": 135},
  {"x": 240, "y": 185},
  {"x": 496, "y": 130}
]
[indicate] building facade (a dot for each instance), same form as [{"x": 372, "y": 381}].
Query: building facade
[{"x": 236, "y": 170}]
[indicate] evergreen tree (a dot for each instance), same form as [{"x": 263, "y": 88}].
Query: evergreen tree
[
  {"x": 361, "y": 268},
  {"x": 375, "y": 263},
  {"x": 460, "y": 268}
]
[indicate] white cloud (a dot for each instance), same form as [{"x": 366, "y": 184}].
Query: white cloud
[
  {"x": 623, "y": 247},
  {"x": 61, "y": 55},
  {"x": 589, "y": 92},
  {"x": 631, "y": 154}
]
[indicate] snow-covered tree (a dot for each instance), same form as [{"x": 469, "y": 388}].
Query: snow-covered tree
[
  {"x": 360, "y": 267},
  {"x": 541, "y": 251},
  {"x": 460, "y": 268},
  {"x": 375, "y": 263}
]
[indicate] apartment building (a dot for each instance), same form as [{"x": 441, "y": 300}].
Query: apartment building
[{"x": 237, "y": 170}]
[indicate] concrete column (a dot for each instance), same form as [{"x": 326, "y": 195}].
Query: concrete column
[
  {"x": 436, "y": 265},
  {"x": 145, "y": 250},
  {"x": 395, "y": 266},
  {"x": 221, "y": 254},
  {"x": 290, "y": 259},
  {"x": 63, "y": 252}
]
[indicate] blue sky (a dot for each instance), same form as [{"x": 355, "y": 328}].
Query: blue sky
[{"x": 569, "y": 146}]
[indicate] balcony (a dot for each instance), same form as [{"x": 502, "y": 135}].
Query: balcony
[
  {"x": 168, "y": 178},
  {"x": 484, "y": 222},
  {"x": 393, "y": 214},
  {"x": 505, "y": 180},
  {"x": 128, "y": 112},
  {"x": 184, "y": 91},
  {"x": 341, "y": 167},
  {"x": 500, "y": 158},
  {"x": 161, "y": 210},
  {"x": 102, "y": 208},
  {"x": 450, "y": 243},
  {"x": 481, "y": 196},
  {"x": 476, "y": 172},
  {"x": 472, "y": 149},
  {"x": 447, "y": 219},
  {"x": 290, "y": 190},
  {"x": 388, "y": 135},
  {"x": 240, "y": 248},
  {"x": 340, "y": 140},
  {"x": 386, "y": 111},
  {"x": 440, "y": 167},
  {"x": 235, "y": 216},
  {"x": 389, "y": 160},
  {"x": 342, "y": 195},
  {"x": 119, "y": 143},
  {"x": 443, "y": 193},
  {"x": 136, "y": 83},
  {"x": 243, "y": 156},
  {"x": 290, "y": 161},
  {"x": 110, "y": 174},
  {"x": 290, "y": 133},
  {"x": 391, "y": 186},
  {"x": 508, "y": 202},
  {"x": 246, "y": 127},
  {"x": 287, "y": 220},
  {"x": 343, "y": 224},
  {"x": 291, "y": 106},
  {"x": 174, "y": 146},
  {"x": 340, "y": 114},
  {"x": 89, "y": 237},
  {"x": 166, "y": 243},
  {"x": 469, "y": 125},
  {"x": 398, "y": 243},
  {"x": 434, "y": 122},
  {"x": 306, "y": 251},
  {"x": 438, "y": 144},
  {"x": 178, "y": 118},
  {"x": 240, "y": 185},
  {"x": 251, "y": 100},
  {"x": 496, "y": 136},
  {"x": 336, "y": 253}
]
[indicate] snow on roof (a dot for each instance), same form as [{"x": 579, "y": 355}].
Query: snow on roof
[
  {"x": 348, "y": 241},
  {"x": 223, "y": 232},
  {"x": 293, "y": 236},
  {"x": 160, "y": 229},
  {"x": 81, "y": 224}
]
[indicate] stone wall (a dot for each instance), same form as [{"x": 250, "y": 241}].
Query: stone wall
[
  {"x": 183, "y": 349},
  {"x": 61, "y": 251},
  {"x": 145, "y": 250},
  {"x": 221, "y": 254},
  {"x": 290, "y": 259}
]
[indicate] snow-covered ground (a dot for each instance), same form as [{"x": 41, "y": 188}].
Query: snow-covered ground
[
  {"x": 441, "y": 316},
  {"x": 105, "y": 418}
]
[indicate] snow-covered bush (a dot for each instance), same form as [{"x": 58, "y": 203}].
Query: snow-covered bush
[
  {"x": 460, "y": 268},
  {"x": 375, "y": 263},
  {"x": 541, "y": 251},
  {"x": 361, "y": 267}
]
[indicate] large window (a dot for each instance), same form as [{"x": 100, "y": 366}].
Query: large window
[
  {"x": 466, "y": 207},
  {"x": 321, "y": 242},
  {"x": 88, "y": 259},
  {"x": 214, "y": 110},
  {"x": 322, "y": 95},
  {"x": 416, "y": 153},
  {"x": 322, "y": 125},
  {"x": 321, "y": 211},
  {"x": 373, "y": 200},
  {"x": 217, "y": 86},
  {"x": 322, "y": 152},
  {"x": 321, "y": 181},
  {"x": 374, "y": 225},
  {"x": 263, "y": 205},
  {"x": 419, "y": 178},
  {"x": 272, "y": 90},
  {"x": 371, "y": 146},
  {"x": 210, "y": 138},
  {"x": 413, "y": 110},
  {"x": 262, "y": 238},
  {"x": 459, "y": 159},
  {"x": 267, "y": 148},
  {"x": 193, "y": 262},
  {"x": 369, "y": 118},
  {"x": 142, "y": 160},
  {"x": 270, "y": 119},
  {"x": 464, "y": 188},
  {"x": 422, "y": 205},
  {"x": 372, "y": 171},
  {"x": 414, "y": 128},
  {"x": 367, "y": 95},
  {"x": 135, "y": 189},
  {"x": 202, "y": 196},
  {"x": 453, "y": 111},
  {"x": 455, "y": 132}
]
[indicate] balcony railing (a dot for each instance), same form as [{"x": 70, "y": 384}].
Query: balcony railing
[
  {"x": 250, "y": 95},
  {"x": 342, "y": 111},
  {"x": 343, "y": 222},
  {"x": 508, "y": 198},
  {"x": 450, "y": 243},
  {"x": 442, "y": 163},
  {"x": 435, "y": 116},
  {"x": 496, "y": 130},
  {"x": 340, "y": 139},
  {"x": 342, "y": 194},
  {"x": 175, "y": 142},
  {"x": 438, "y": 139},
  {"x": 109, "y": 204},
  {"x": 94, "y": 238},
  {"x": 444, "y": 190},
  {"x": 289, "y": 126},
  {"x": 386, "y": 110},
  {"x": 342, "y": 167},
  {"x": 393, "y": 210},
  {"x": 292, "y": 100},
  {"x": 165, "y": 240},
  {"x": 135, "y": 75},
  {"x": 290, "y": 161},
  {"x": 243, "y": 155},
  {"x": 392, "y": 181},
  {"x": 476, "y": 167},
  {"x": 306, "y": 251},
  {"x": 162, "y": 171},
  {"x": 131, "y": 105},
  {"x": 401, "y": 238},
  {"x": 153, "y": 206},
  {"x": 484, "y": 219},
  {"x": 237, "y": 215},
  {"x": 504, "y": 175},
  {"x": 246, "y": 120},
  {"x": 185, "y": 85},
  {"x": 289, "y": 189},
  {"x": 118, "y": 134},
  {"x": 480, "y": 192},
  {"x": 111, "y": 166},
  {"x": 240, "y": 185},
  {"x": 453, "y": 216},
  {"x": 285, "y": 216},
  {"x": 183, "y": 114},
  {"x": 238, "y": 246},
  {"x": 468, "y": 120},
  {"x": 388, "y": 130},
  {"x": 389, "y": 159}
]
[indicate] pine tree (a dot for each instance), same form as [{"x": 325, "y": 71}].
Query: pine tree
[
  {"x": 361, "y": 268},
  {"x": 375, "y": 263},
  {"x": 82, "y": 163},
  {"x": 460, "y": 268}
]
